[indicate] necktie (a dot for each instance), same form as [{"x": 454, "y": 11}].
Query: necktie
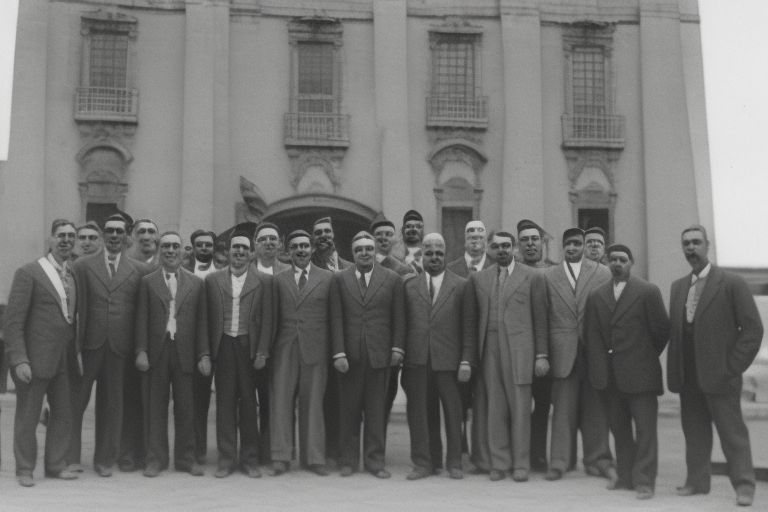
[
  {"x": 431, "y": 289},
  {"x": 65, "y": 282},
  {"x": 112, "y": 270},
  {"x": 694, "y": 292},
  {"x": 363, "y": 284},
  {"x": 172, "y": 285},
  {"x": 573, "y": 275},
  {"x": 303, "y": 279}
]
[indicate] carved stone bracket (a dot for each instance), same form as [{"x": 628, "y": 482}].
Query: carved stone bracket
[
  {"x": 457, "y": 150},
  {"x": 109, "y": 21},
  {"x": 591, "y": 173},
  {"x": 316, "y": 170},
  {"x": 118, "y": 134}
]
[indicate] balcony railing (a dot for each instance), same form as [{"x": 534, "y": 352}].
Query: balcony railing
[
  {"x": 316, "y": 129},
  {"x": 457, "y": 111},
  {"x": 591, "y": 130},
  {"x": 106, "y": 104}
]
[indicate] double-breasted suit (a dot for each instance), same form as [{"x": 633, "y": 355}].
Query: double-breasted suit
[
  {"x": 512, "y": 329},
  {"x": 722, "y": 342},
  {"x": 39, "y": 334},
  {"x": 440, "y": 333},
  {"x": 365, "y": 326},
  {"x": 232, "y": 357},
  {"x": 570, "y": 388},
  {"x": 171, "y": 361},
  {"x": 106, "y": 337},
  {"x": 300, "y": 355},
  {"x": 623, "y": 341}
]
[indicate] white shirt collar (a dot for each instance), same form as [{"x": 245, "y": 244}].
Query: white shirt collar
[
  {"x": 703, "y": 274},
  {"x": 510, "y": 268},
  {"x": 297, "y": 271},
  {"x": 116, "y": 261},
  {"x": 265, "y": 270},
  {"x": 576, "y": 266},
  {"x": 55, "y": 263},
  {"x": 479, "y": 265},
  {"x": 240, "y": 278}
]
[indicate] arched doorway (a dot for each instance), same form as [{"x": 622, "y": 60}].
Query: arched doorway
[{"x": 300, "y": 212}]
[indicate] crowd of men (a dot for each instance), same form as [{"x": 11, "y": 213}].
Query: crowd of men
[{"x": 284, "y": 327}]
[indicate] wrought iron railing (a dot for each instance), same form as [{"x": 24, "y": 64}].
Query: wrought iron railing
[
  {"x": 457, "y": 111},
  {"x": 593, "y": 130},
  {"x": 106, "y": 104},
  {"x": 316, "y": 129}
]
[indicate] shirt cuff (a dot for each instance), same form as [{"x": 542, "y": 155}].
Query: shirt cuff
[
  {"x": 339, "y": 355},
  {"x": 465, "y": 362},
  {"x": 542, "y": 356},
  {"x": 398, "y": 350}
]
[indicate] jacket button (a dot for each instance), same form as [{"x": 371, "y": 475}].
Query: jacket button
[{"x": 610, "y": 351}]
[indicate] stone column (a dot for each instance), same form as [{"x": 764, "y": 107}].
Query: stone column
[
  {"x": 522, "y": 181},
  {"x": 670, "y": 181},
  {"x": 391, "y": 77}
]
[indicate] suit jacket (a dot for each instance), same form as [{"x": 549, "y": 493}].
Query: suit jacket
[
  {"x": 107, "y": 311},
  {"x": 459, "y": 266},
  {"x": 135, "y": 254},
  {"x": 566, "y": 312},
  {"x": 303, "y": 316},
  {"x": 443, "y": 334},
  {"x": 624, "y": 339},
  {"x": 153, "y": 311},
  {"x": 522, "y": 316},
  {"x": 397, "y": 266},
  {"x": 256, "y": 292},
  {"x": 35, "y": 329},
  {"x": 726, "y": 328},
  {"x": 277, "y": 268},
  {"x": 376, "y": 320},
  {"x": 343, "y": 264}
]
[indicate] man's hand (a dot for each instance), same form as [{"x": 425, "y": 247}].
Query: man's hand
[
  {"x": 204, "y": 365},
  {"x": 397, "y": 358},
  {"x": 24, "y": 373},
  {"x": 260, "y": 361},
  {"x": 465, "y": 372},
  {"x": 142, "y": 361},
  {"x": 542, "y": 367},
  {"x": 341, "y": 364}
]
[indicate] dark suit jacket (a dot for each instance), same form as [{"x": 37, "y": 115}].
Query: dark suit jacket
[
  {"x": 256, "y": 294},
  {"x": 107, "y": 307},
  {"x": 397, "y": 266},
  {"x": 441, "y": 334},
  {"x": 35, "y": 329},
  {"x": 566, "y": 312},
  {"x": 303, "y": 316},
  {"x": 343, "y": 264},
  {"x": 522, "y": 314},
  {"x": 624, "y": 339},
  {"x": 459, "y": 266},
  {"x": 376, "y": 319},
  {"x": 153, "y": 310},
  {"x": 726, "y": 327}
]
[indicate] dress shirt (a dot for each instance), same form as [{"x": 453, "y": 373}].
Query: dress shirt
[
  {"x": 694, "y": 292},
  {"x": 237, "y": 288},
  {"x": 618, "y": 288},
  {"x": 201, "y": 273},
  {"x": 576, "y": 267},
  {"x": 172, "y": 283},
  {"x": 115, "y": 262},
  {"x": 68, "y": 285},
  {"x": 437, "y": 282},
  {"x": 367, "y": 277},
  {"x": 297, "y": 273},
  {"x": 476, "y": 266},
  {"x": 264, "y": 270},
  {"x": 410, "y": 254}
]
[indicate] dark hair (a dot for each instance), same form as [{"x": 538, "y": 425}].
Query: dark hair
[
  {"x": 696, "y": 227},
  {"x": 90, "y": 225},
  {"x": 199, "y": 233},
  {"x": 116, "y": 217},
  {"x": 505, "y": 234},
  {"x": 168, "y": 233},
  {"x": 57, "y": 223}
]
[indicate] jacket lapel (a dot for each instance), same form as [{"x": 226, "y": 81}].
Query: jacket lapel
[
  {"x": 515, "y": 279},
  {"x": 350, "y": 280},
  {"x": 158, "y": 285},
  {"x": 446, "y": 290},
  {"x": 563, "y": 287},
  {"x": 628, "y": 297},
  {"x": 42, "y": 277},
  {"x": 377, "y": 279},
  {"x": 183, "y": 287},
  {"x": 588, "y": 268},
  {"x": 124, "y": 270},
  {"x": 711, "y": 285},
  {"x": 250, "y": 284},
  {"x": 313, "y": 279}
]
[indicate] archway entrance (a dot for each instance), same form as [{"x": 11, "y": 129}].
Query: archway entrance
[{"x": 300, "y": 212}]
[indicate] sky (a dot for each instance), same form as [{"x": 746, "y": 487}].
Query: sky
[{"x": 735, "y": 47}]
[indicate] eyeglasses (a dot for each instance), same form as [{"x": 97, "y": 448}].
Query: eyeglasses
[
  {"x": 203, "y": 244},
  {"x": 142, "y": 231},
  {"x": 267, "y": 238},
  {"x": 594, "y": 242},
  {"x": 65, "y": 236},
  {"x": 170, "y": 245},
  {"x": 114, "y": 231},
  {"x": 92, "y": 238}
]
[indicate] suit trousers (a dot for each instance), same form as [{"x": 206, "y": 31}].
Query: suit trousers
[
  {"x": 29, "y": 404},
  {"x": 636, "y": 455},
  {"x": 165, "y": 373},
  {"x": 593, "y": 423},
  {"x": 565, "y": 400},
  {"x": 292, "y": 380},
  {"x": 261, "y": 380},
  {"x": 331, "y": 414},
  {"x": 433, "y": 413},
  {"x": 106, "y": 369},
  {"x": 508, "y": 410},
  {"x": 201, "y": 395},
  {"x": 362, "y": 394},
  {"x": 424, "y": 385},
  {"x": 134, "y": 438},
  {"x": 541, "y": 390},
  {"x": 698, "y": 410},
  {"x": 236, "y": 404}
]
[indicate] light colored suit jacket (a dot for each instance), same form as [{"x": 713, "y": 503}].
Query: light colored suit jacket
[
  {"x": 303, "y": 316},
  {"x": 107, "y": 312},
  {"x": 35, "y": 329},
  {"x": 256, "y": 294},
  {"x": 153, "y": 311},
  {"x": 566, "y": 312},
  {"x": 442, "y": 334},
  {"x": 522, "y": 317},
  {"x": 376, "y": 320},
  {"x": 624, "y": 339},
  {"x": 726, "y": 327}
]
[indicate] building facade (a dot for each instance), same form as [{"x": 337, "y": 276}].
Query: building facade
[{"x": 203, "y": 113}]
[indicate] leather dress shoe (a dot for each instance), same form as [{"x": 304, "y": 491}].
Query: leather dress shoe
[
  {"x": 151, "y": 471},
  {"x": 127, "y": 466},
  {"x": 223, "y": 472},
  {"x": 381, "y": 473},
  {"x": 25, "y": 480},
  {"x": 643, "y": 492},
  {"x": 75, "y": 467},
  {"x": 520, "y": 475},
  {"x": 745, "y": 495},
  {"x": 319, "y": 469},
  {"x": 103, "y": 471},
  {"x": 689, "y": 490},
  {"x": 593, "y": 471},
  {"x": 613, "y": 479},
  {"x": 346, "y": 471},
  {"x": 278, "y": 468},
  {"x": 455, "y": 473},
  {"x": 418, "y": 473},
  {"x": 495, "y": 475},
  {"x": 252, "y": 472},
  {"x": 195, "y": 469},
  {"x": 553, "y": 474}
]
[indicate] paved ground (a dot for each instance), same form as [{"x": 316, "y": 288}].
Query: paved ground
[{"x": 299, "y": 490}]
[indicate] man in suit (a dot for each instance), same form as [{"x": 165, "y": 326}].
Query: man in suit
[
  {"x": 626, "y": 328},
  {"x": 171, "y": 339},
  {"x": 594, "y": 243},
  {"x": 716, "y": 334},
  {"x": 201, "y": 264},
  {"x": 88, "y": 239},
  {"x": 108, "y": 286},
  {"x": 299, "y": 358},
  {"x": 529, "y": 236},
  {"x": 144, "y": 236},
  {"x": 239, "y": 331},
  {"x": 268, "y": 246},
  {"x": 440, "y": 349},
  {"x": 568, "y": 285},
  {"x": 383, "y": 231},
  {"x": 412, "y": 231},
  {"x": 39, "y": 334},
  {"x": 324, "y": 256},
  {"x": 368, "y": 336},
  {"x": 511, "y": 321}
]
